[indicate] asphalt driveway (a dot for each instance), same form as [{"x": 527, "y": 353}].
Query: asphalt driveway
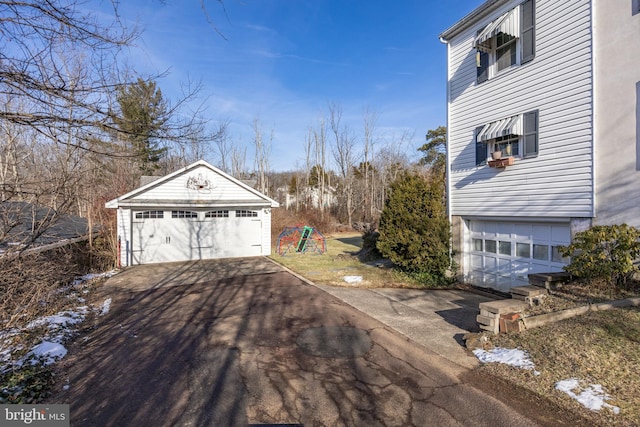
[{"x": 244, "y": 342}]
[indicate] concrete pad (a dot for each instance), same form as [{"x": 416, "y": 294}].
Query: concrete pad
[{"x": 435, "y": 319}]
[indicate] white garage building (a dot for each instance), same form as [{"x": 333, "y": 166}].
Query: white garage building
[{"x": 198, "y": 212}]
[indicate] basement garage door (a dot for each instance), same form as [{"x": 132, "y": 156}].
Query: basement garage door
[
  {"x": 185, "y": 235},
  {"x": 500, "y": 255}
]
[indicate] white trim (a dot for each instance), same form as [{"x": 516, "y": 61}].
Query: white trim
[
  {"x": 559, "y": 220},
  {"x": 594, "y": 121}
]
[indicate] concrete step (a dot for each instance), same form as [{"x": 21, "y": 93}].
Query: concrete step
[
  {"x": 528, "y": 293},
  {"x": 503, "y": 306},
  {"x": 549, "y": 280}
]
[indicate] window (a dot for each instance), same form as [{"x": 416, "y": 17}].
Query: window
[
  {"x": 504, "y": 248},
  {"x": 507, "y": 41},
  {"x": 507, "y": 145},
  {"x": 149, "y": 214},
  {"x": 217, "y": 214},
  {"x": 523, "y": 250},
  {"x": 541, "y": 252},
  {"x": 246, "y": 214},
  {"x": 635, "y": 7},
  {"x": 515, "y": 136},
  {"x": 184, "y": 214},
  {"x": 477, "y": 245},
  {"x": 556, "y": 256},
  {"x": 505, "y": 51}
]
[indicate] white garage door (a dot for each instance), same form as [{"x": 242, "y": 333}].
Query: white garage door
[
  {"x": 183, "y": 235},
  {"x": 500, "y": 255}
]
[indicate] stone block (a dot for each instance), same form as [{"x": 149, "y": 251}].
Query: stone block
[
  {"x": 527, "y": 291},
  {"x": 487, "y": 313},
  {"x": 549, "y": 280},
  {"x": 503, "y": 306},
  {"x": 495, "y": 329},
  {"x": 486, "y": 320}
]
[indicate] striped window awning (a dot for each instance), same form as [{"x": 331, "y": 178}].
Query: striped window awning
[
  {"x": 509, "y": 23},
  {"x": 504, "y": 127}
]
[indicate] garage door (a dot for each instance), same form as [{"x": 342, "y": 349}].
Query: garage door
[
  {"x": 500, "y": 255},
  {"x": 183, "y": 235}
]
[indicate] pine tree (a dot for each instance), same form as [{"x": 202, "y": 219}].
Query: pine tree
[
  {"x": 414, "y": 228},
  {"x": 141, "y": 121}
]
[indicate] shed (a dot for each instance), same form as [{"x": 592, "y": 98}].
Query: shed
[{"x": 198, "y": 212}]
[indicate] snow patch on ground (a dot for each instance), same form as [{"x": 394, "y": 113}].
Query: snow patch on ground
[
  {"x": 508, "y": 356},
  {"x": 105, "y": 307},
  {"x": 592, "y": 396},
  {"x": 48, "y": 352},
  {"x": 92, "y": 276},
  {"x": 60, "y": 320},
  {"x": 352, "y": 279},
  {"x": 58, "y": 328}
]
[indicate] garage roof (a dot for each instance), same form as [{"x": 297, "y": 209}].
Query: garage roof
[{"x": 200, "y": 185}]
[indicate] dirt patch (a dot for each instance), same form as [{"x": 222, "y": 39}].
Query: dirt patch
[{"x": 527, "y": 402}]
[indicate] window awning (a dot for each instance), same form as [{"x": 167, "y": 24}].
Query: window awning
[
  {"x": 504, "y": 127},
  {"x": 509, "y": 23}
]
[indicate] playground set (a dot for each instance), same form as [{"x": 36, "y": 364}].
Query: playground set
[{"x": 301, "y": 239}]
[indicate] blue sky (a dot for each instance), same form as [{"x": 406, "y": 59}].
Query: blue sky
[{"x": 283, "y": 61}]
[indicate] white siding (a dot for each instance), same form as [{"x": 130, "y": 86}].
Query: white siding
[
  {"x": 265, "y": 215},
  {"x": 558, "y": 83},
  {"x": 617, "y": 112},
  {"x": 176, "y": 189}
]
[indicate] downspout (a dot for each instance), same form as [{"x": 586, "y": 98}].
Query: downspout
[{"x": 448, "y": 167}]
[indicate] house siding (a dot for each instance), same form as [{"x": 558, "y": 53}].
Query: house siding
[
  {"x": 223, "y": 189},
  {"x": 559, "y": 83},
  {"x": 617, "y": 109}
]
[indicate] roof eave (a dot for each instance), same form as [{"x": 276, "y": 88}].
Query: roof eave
[{"x": 472, "y": 18}]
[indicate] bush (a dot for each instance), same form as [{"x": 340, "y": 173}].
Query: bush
[
  {"x": 414, "y": 228},
  {"x": 29, "y": 384},
  {"x": 604, "y": 252}
]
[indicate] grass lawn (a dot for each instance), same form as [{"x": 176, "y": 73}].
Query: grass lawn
[
  {"x": 600, "y": 347},
  {"x": 339, "y": 261}
]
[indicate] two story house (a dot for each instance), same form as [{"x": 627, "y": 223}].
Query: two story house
[{"x": 543, "y": 112}]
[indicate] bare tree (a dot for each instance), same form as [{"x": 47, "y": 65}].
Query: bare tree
[
  {"x": 344, "y": 155},
  {"x": 320, "y": 152},
  {"x": 238, "y": 157},
  {"x": 262, "y": 151},
  {"x": 370, "y": 120}
]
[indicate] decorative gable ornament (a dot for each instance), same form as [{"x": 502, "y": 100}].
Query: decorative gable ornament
[{"x": 200, "y": 183}]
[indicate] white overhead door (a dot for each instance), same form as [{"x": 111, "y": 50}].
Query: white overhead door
[
  {"x": 500, "y": 255},
  {"x": 183, "y": 235}
]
